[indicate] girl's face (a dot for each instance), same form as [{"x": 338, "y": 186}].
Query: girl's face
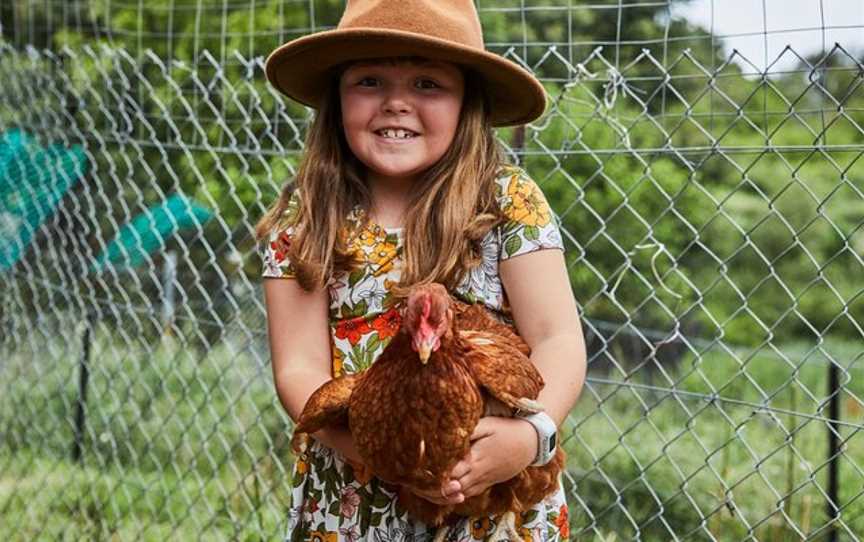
[{"x": 425, "y": 98}]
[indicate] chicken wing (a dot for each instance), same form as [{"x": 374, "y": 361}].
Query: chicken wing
[{"x": 326, "y": 407}]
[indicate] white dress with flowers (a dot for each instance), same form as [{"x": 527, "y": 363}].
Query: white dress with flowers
[{"x": 336, "y": 500}]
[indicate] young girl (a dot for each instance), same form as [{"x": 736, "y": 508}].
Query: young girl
[{"x": 402, "y": 181}]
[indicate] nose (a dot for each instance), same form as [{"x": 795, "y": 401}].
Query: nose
[{"x": 395, "y": 101}]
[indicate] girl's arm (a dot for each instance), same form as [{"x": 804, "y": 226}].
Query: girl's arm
[
  {"x": 546, "y": 316},
  {"x": 300, "y": 353}
]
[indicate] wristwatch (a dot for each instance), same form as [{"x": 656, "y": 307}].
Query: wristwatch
[{"x": 547, "y": 433}]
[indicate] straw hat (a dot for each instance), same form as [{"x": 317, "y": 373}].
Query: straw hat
[{"x": 440, "y": 29}]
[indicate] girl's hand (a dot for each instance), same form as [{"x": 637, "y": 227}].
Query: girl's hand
[
  {"x": 501, "y": 448},
  {"x": 438, "y": 497}
]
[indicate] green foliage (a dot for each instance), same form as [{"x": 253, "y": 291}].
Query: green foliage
[
  {"x": 756, "y": 224},
  {"x": 694, "y": 187}
]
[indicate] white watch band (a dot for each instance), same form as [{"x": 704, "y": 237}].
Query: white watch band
[{"x": 547, "y": 433}]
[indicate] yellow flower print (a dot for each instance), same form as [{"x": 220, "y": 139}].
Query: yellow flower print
[
  {"x": 291, "y": 212},
  {"x": 302, "y": 466},
  {"x": 366, "y": 238},
  {"x": 322, "y": 536},
  {"x": 382, "y": 255},
  {"x": 354, "y": 245},
  {"x": 338, "y": 358},
  {"x": 527, "y": 203}
]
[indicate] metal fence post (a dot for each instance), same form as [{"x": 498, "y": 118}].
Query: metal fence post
[{"x": 83, "y": 377}]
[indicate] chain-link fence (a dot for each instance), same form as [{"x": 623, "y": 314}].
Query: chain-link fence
[{"x": 712, "y": 212}]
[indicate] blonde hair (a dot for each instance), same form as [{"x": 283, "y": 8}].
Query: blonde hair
[{"x": 452, "y": 206}]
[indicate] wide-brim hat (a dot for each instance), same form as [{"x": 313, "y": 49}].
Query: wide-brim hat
[{"x": 440, "y": 29}]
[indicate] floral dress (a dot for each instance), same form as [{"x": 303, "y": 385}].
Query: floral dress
[{"x": 334, "y": 499}]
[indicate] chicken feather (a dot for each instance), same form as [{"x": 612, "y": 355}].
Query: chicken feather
[{"x": 412, "y": 412}]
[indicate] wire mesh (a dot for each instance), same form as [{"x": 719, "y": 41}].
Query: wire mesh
[{"x": 711, "y": 204}]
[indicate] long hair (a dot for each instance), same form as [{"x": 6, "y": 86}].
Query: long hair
[{"x": 451, "y": 208}]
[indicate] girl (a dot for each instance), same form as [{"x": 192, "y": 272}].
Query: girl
[{"x": 402, "y": 181}]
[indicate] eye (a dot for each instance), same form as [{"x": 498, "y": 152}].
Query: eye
[
  {"x": 436, "y": 85},
  {"x": 360, "y": 82}
]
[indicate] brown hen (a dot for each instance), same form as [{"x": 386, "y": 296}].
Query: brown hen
[{"x": 412, "y": 412}]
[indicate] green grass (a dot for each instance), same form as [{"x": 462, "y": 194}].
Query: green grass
[
  {"x": 178, "y": 447},
  {"x": 175, "y": 448},
  {"x": 641, "y": 458}
]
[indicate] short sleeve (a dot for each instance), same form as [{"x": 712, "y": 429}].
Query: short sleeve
[
  {"x": 274, "y": 248},
  {"x": 531, "y": 224}
]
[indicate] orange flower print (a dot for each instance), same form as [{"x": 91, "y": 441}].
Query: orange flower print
[
  {"x": 563, "y": 522},
  {"x": 280, "y": 246},
  {"x": 387, "y": 323},
  {"x": 302, "y": 466},
  {"x": 353, "y": 329},
  {"x": 525, "y": 533},
  {"x": 480, "y": 527},
  {"x": 322, "y": 536},
  {"x": 527, "y": 203}
]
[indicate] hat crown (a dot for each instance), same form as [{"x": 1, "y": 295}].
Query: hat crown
[
  {"x": 451, "y": 20},
  {"x": 445, "y": 30}
]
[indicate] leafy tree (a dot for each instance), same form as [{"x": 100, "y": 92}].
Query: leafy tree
[{"x": 656, "y": 145}]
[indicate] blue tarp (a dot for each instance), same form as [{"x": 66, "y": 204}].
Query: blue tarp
[
  {"x": 33, "y": 180},
  {"x": 147, "y": 232}
]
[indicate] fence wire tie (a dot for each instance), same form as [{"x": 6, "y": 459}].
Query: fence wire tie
[
  {"x": 582, "y": 73},
  {"x": 617, "y": 81},
  {"x": 660, "y": 248}
]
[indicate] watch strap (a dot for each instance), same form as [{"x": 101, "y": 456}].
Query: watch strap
[{"x": 547, "y": 432}]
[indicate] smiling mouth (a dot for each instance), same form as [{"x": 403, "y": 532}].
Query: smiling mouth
[{"x": 397, "y": 138}]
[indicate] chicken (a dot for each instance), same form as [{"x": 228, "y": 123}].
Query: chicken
[{"x": 412, "y": 412}]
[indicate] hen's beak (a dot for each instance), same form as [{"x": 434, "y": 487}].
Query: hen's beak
[{"x": 425, "y": 351}]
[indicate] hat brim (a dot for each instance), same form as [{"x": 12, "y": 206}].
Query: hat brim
[{"x": 298, "y": 68}]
